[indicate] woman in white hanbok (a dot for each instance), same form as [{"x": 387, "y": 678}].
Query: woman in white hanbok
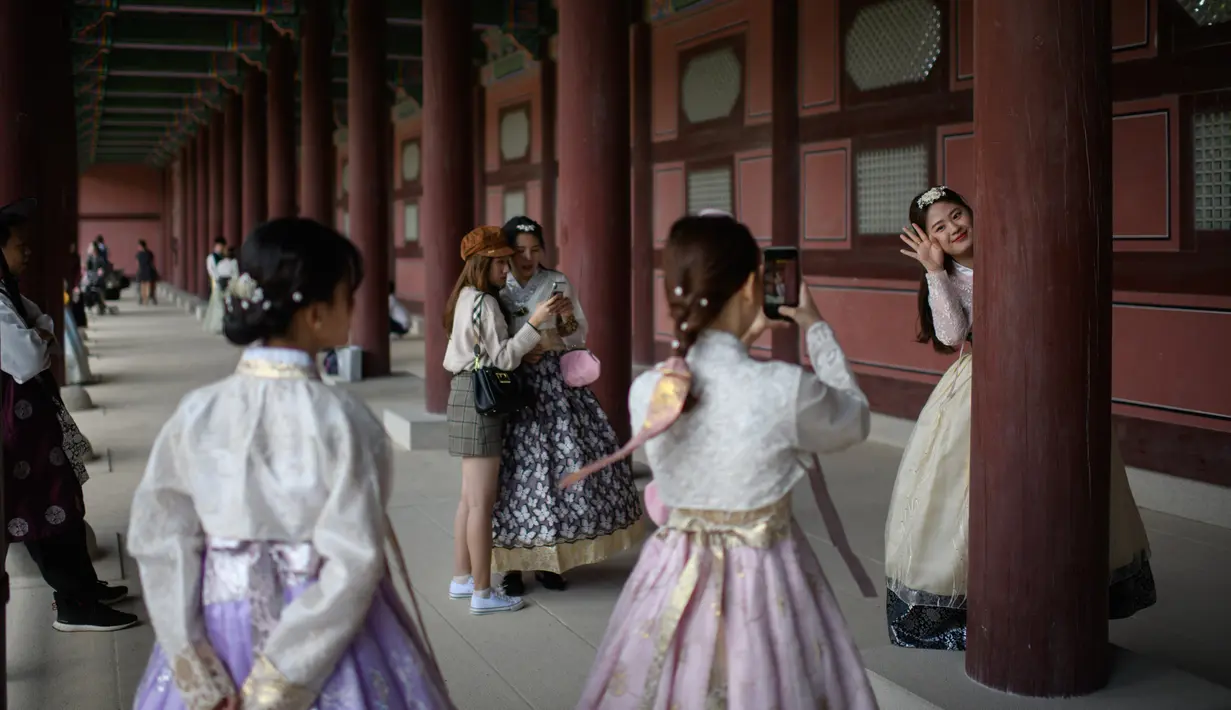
[
  {"x": 260, "y": 527},
  {"x": 222, "y": 268},
  {"x": 927, "y": 531}
]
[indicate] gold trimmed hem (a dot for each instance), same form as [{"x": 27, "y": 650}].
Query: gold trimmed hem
[{"x": 565, "y": 556}]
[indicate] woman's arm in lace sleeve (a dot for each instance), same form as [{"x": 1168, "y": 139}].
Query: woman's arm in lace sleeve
[
  {"x": 349, "y": 535},
  {"x": 948, "y": 318},
  {"x": 166, "y": 539},
  {"x": 831, "y": 412}
]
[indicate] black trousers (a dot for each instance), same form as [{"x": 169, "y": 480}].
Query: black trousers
[
  {"x": 397, "y": 328},
  {"x": 64, "y": 561}
]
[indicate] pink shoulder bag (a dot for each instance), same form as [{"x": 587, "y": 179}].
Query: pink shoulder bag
[{"x": 580, "y": 368}]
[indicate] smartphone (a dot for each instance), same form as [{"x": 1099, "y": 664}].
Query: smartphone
[
  {"x": 557, "y": 288},
  {"x": 781, "y": 280}
]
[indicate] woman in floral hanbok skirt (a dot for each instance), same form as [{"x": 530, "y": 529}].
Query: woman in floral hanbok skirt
[
  {"x": 536, "y": 526},
  {"x": 727, "y": 606},
  {"x": 927, "y": 531},
  {"x": 260, "y": 528}
]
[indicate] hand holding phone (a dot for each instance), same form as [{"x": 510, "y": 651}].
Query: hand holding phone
[{"x": 781, "y": 280}]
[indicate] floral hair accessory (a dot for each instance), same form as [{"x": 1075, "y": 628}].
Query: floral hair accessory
[
  {"x": 932, "y": 195},
  {"x": 528, "y": 228},
  {"x": 711, "y": 212}
]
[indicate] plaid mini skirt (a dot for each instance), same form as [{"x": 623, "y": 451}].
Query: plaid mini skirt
[{"x": 471, "y": 434}]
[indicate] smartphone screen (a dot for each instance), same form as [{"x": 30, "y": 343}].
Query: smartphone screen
[{"x": 781, "y": 279}]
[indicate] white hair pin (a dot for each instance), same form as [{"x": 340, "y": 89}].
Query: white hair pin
[
  {"x": 932, "y": 195},
  {"x": 711, "y": 212},
  {"x": 530, "y": 228}
]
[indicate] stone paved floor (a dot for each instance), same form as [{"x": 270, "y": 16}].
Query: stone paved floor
[{"x": 537, "y": 658}]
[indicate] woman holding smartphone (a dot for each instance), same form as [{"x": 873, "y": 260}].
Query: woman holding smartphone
[{"x": 536, "y": 526}]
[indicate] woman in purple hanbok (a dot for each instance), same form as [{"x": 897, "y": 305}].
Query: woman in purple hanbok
[{"x": 260, "y": 524}]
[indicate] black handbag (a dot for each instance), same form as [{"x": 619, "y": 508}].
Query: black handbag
[{"x": 496, "y": 392}]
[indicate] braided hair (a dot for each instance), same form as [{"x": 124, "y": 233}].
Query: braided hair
[{"x": 707, "y": 260}]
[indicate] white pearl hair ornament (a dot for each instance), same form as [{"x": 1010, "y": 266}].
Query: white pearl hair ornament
[
  {"x": 705, "y": 302},
  {"x": 297, "y": 297},
  {"x": 684, "y": 327},
  {"x": 266, "y": 305},
  {"x": 675, "y": 345},
  {"x": 679, "y": 290}
]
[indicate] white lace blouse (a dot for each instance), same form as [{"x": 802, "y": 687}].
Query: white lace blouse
[
  {"x": 951, "y": 296},
  {"x": 268, "y": 454},
  {"x": 740, "y": 447},
  {"x": 521, "y": 300}
]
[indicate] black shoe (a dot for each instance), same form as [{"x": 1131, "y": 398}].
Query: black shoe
[
  {"x": 89, "y": 616},
  {"x": 552, "y": 581},
  {"x": 513, "y": 584},
  {"x": 109, "y": 595}
]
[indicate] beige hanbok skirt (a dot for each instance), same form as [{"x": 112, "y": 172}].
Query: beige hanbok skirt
[{"x": 927, "y": 533}]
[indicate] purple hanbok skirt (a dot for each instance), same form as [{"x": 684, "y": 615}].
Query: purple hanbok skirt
[{"x": 386, "y": 666}]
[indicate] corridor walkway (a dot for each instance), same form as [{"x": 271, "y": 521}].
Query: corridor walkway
[{"x": 537, "y": 658}]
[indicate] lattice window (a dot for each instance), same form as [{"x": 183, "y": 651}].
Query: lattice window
[
  {"x": 514, "y": 204},
  {"x": 709, "y": 189},
  {"x": 711, "y": 85},
  {"x": 886, "y": 181},
  {"x": 410, "y": 161},
  {"x": 410, "y": 222},
  {"x": 1207, "y": 12},
  {"x": 515, "y": 134},
  {"x": 1212, "y": 170},
  {"x": 893, "y": 42}
]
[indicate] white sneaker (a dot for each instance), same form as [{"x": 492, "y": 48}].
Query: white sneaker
[
  {"x": 495, "y": 602},
  {"x": 461, "y": 590}
]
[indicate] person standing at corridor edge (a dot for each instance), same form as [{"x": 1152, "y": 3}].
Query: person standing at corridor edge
[
  {"x": 259, "y": 527},
  {"x": 43, "y": 471}
]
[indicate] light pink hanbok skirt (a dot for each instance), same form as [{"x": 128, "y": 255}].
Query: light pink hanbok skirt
[{"x": 728, "y": 610}]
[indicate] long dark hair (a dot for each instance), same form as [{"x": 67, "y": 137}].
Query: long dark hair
[
  {"x": 295, "y": 262},
  {"x": 707, "y": 261},
  {"x": 477, "y": 275},
  {"x": 918, "y": 215},
  {"x": 8, "y": 280}
]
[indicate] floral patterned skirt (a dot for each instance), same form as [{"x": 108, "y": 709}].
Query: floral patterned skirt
[{"x": 537, "y": 526}]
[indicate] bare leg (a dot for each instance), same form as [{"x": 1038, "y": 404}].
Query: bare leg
[
  {"x": 461, "y": 550},
  {"x": 479, "y": 480}
]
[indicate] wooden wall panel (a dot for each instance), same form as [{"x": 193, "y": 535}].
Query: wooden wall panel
[
  {"x": 410, "y": 279},
  {"x": 819, "y": 62},
  {"x": 754, "y": 192},
  {"x": 670, "y": 199},
  {"x": 495, "y": 205},
  {"x": 826, "y": 195},
  {"x": 962, "y": 45},
  {"x": 1146, "y": 175},
  {"x": 1173, "y": 360},
  {"x": 688, "y": 30},
  {"x": 955, "y": 155},
  {"x": 523, "y": 88},
  {"x": 1134, "y": 29}
]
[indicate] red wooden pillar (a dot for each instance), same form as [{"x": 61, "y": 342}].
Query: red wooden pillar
[
  {"x": 217, "y": 136},
  {"x": 316, "y": 170},
  {"x": 280, "y": 128},
  {"x": 1042, "y": 360},
  {"x": 256, "y": 190},
  {"x": 188, "y": 244},
  {"x": 204, "y": 241},
  {"x": 54, "y": 110},
  {"x": 367, "y": 123},
  {"x": 785, "y": 175},
  {"x": 233, "y": 170},
  {"x": 448, "y": 186},
  {"x": 185, "y": 224},
  {"x": 643, "y": 194},
  {"x": 594, "y": 195}
]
